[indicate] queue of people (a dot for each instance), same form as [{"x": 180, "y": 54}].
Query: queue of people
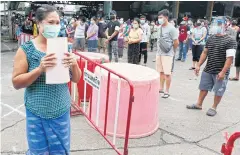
[{"x": 48, "y": 106}]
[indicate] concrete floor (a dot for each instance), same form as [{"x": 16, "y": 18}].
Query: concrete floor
[{"x": 181, "y": 131}]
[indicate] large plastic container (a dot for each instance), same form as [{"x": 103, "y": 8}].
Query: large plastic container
[
  {"x": 144, "y": 120},
  {"x": 96, "y": 57}
]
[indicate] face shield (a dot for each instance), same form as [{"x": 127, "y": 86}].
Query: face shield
[{"x": 217, "y": 27}]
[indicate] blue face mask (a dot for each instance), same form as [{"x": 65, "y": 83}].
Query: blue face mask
[
  {"x": 51, "y": 31},
  {"x": 219, "y": 30},
  {"x": 160, "y": 21}
]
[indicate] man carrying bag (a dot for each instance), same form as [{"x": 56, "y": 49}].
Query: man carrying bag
[{"x": 166, "y": 46}]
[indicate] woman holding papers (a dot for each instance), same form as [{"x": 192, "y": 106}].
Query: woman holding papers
[{"x": 47, "y": 105}]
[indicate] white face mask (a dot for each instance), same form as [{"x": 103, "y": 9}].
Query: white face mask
[
  {"x": 121, "y": 21},
  {"x": 135, "y": 26}
]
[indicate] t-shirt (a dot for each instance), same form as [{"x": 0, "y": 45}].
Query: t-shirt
[
  {"x": 102, "y": 28},
  {"x": 217, "y": 47},
  {"x": 112, "y": 26},
  {"x": 169, "y": 34},
  {"x": 135, "y": 34},
  {"x": 198, "y": 34},
  {"x": 93, "y": 28},
  {"x": 183, "y": 32}
]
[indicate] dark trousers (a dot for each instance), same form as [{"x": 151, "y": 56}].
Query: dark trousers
[
  {"x": 143, "y": 50},
  {"x": 133, "y": 53},
  {"x": 196, "y": 52},
  {"x": 153, "y": 41}
]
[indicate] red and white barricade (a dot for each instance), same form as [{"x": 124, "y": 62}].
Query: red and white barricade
[
  {"x": 86, "y": 108},
  {"x": 231, "y": 147},
  {"x": 24, "y": 38}
]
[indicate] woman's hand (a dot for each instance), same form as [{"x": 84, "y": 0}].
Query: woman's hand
[
  {"x": 69, "y": 60},
  {"x": 48, "y": 61}
]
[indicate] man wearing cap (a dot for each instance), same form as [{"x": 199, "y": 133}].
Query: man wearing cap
[
  {"x": 112, "y": 34},
  {"x": 219, "y": 52}
]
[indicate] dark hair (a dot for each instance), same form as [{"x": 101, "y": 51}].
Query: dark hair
[
  {"x": 43, "y": 11},
  {"x": 175, "y": 22},
  {"x": 94, "y": 18},
  {"x": 137, "y": 20},
  {"x": 83, "y": 19},
  {"x": 142, "y": 16},
  {"x": 164, "y": 12}
]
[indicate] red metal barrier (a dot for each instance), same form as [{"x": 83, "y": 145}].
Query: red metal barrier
[
  {"x": 227, "y": 148},
  {"x": 77, "y": 106}
]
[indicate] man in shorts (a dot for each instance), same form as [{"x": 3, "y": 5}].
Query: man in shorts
[
  {"x": 219, "y": 52},
  {"x": 80, "y": 34},
  {"x": 102, "y": 35},
  {"x": 164, "y": 59}
]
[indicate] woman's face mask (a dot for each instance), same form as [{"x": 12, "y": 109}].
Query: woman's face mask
[
  {"x": 135, "y": 26},
  {"x": 92, "y": 22},
  {"x": 51, "y": 31},
  {"x": 121, "y": 21}
]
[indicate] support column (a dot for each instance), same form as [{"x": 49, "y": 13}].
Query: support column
[
  {"x": 10, "y": 22},
  {"x": 175, "y": 9},
  {"x": 209, "y": 11},
  {"x": 229, "y": 6},
  {"x": 107, "y": 7}
]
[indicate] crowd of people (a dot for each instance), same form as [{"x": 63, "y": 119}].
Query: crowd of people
[{"x": 48, "y": 106}]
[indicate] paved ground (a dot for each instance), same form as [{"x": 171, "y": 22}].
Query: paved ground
[{"x": 181, "y": 132}]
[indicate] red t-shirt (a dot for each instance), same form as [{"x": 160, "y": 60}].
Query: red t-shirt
[{"x": 183, "y": 33}]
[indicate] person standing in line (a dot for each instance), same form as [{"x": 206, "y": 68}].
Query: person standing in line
[
  {"x": 190, "y": 24},
  {"x": 237, "y": 59},
  {"x": 183, "y": 40},
  {"x": 121, "y": 38},
  {"x": 166, "y": 47},
  {"x": 79, "y": 36},
  {"x": 219, "y": 52},
  {"x": 70, "y": 30},
  {"x": 145, "y": 39},
  {"x": 92, "y": 35},
  {"x": 174, "y": 23},
  {"x": 47, "y": 105},
  {"x": 102, "y": 35},
  {"x": 134, "y": 38},
  {"x": 63, "y": 32},
  {"x": 154, "y": 30},
  {"x": 112, "y": 35},
  {"x": 198, "y": 38}
]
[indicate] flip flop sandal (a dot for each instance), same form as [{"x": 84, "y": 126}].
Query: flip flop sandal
[
  {"x": 165, "y": 96},
  {"x": 194, "y": 107},
  {"x": 192, "y": 68},
  {"x": 211, "y": 112},
  {"x": 233, "y": 79}
]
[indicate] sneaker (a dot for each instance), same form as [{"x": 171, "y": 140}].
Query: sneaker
[
  {"x": 183, "y": 60},
  {"x": 178, "y": 59}
]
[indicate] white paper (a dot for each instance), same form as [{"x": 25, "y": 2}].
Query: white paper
[{"x": 57, "y": 74}]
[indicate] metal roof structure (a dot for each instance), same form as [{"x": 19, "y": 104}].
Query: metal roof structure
[{"x": 14, "y": 5}]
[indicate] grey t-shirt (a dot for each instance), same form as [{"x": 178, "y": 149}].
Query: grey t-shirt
[{"x": 169, "y": 34}]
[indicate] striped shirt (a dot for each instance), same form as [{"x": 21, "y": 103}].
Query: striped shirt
[{"x": 217, "y": 47}]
